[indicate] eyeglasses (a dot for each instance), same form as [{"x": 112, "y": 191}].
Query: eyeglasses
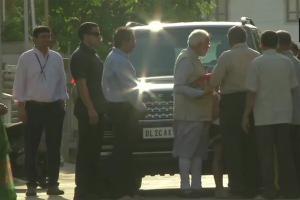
[{"x": 96, "y": 34}]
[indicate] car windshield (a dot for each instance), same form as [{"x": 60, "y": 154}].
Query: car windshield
[{"x": 156, "y": 52}]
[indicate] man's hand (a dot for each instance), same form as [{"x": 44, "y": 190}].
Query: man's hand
[
  {"x": 246, "y": 123},
  {"x": 250, "y": 100},
  {"x": 142, "y": 107},
  {"x": 22, "y": 112},
  {"x": 63, "y": 104},
  {"x": 3, "y": 109},
  {"x": 142, "y": 110},
  {"x": 93, "y": 116},
  {"x": 208, "y": 90},
  {"x": 23, "y": 115}
]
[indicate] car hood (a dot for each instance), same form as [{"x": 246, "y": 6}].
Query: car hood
[{"x": 156, "y": 83}]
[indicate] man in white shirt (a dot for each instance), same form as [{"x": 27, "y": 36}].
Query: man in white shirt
[
  {"x": 40, "y": 92},
  {"x": 119, "y": 88},
  {"x": 270, "y": 82},
  {"x": 230, "y": 75},
  {"x": 284, "y": 47}
]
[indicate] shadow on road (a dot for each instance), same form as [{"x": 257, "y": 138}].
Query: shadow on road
[
  {"x": 56, "y": 198},
  {"x": 207, "y": 192}
]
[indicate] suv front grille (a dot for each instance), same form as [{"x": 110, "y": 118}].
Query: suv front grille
[{"x": 159, "y": 105}]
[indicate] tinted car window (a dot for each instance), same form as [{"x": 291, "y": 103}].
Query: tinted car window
[{"x": 156, "y": 52}]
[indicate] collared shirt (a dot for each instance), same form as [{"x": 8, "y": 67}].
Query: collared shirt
[
  {"x": 231, "y": 69},
  {"x": 296, "y": 91},
  {"x": 86, "y": 64},
  {"x": 40, "y": 78},
  {"x": 272, "y": 77},
  {"x": 119, "y": 82}
]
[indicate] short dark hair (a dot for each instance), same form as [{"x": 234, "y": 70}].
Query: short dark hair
[
  {"x": 122, "y": 34},
  {"x": 294, "y": 46},
  {"x": 284, "y": 38},
  {"x": 40, "y": 29},
  {"x": 269, "y": 39},
  {"x": 85, "y": 28},
  {"x": 236, "y": 34}
]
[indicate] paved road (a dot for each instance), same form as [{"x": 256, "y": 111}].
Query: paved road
[{"x": 153, "y": 187}]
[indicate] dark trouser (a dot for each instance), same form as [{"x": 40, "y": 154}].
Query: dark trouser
[
  {"x": 125, "y": 128},
  {"x": 46, "y": 117},
  {"x": 239, "y": 147},
  {"x": 87, "y": 172},
  {"x": 278, "y": 136},
  {"x": 295, "y": 136}
]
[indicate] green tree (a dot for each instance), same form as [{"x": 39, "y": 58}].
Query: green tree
[
  {"x": 67, "y": 15},
  {"x": 13, "y": 26}
]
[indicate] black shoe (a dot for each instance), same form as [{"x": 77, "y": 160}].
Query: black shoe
[
  {"x": 289, "y": 196},
  {"x": 43, "y": 184},
  {"x": 267, "y": 196},
  {"x": 185, "y": 193},
  {"x": 237, "y": 196},
  {"x": 87, "y": 197},
  {"x": 264, "y": 197},
  {"x": 190, "y": 194},
  {"x": 54, "y": 190},
  {"x": 31, "y": 191}
]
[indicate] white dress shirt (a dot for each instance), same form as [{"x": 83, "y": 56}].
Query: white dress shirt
[
  {"x": 296, "y": 91},
  {"x": 40, "y": 78},
  {"x": 272, "y": 77}
]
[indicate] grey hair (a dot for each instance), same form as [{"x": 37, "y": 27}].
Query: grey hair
[{"x": 197, "y": 36}]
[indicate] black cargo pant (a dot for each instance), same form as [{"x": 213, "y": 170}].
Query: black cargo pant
[
  {"x": 87, "y": 171},
  {"x": 125, "y": 127},
  {"x": 239, "y": 147},
  {"x": 295, "y": 138},
  {"x": 46, "y": 117},
  {"x": 277, "y": 136}
]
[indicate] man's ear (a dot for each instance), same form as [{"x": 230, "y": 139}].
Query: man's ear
[{"x": 34, "y": 39}]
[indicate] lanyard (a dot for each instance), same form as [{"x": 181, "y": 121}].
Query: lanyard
[{"x": 42, "y": 67}]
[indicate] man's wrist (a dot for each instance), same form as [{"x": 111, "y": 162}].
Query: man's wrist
[
  {"x": 21, "y": 105},
  {"x": 91, "y": 109},
  {"x": 246, "y": 113}
]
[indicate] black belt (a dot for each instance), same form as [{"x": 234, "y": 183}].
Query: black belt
[
  {"x": 39, "y": 103},
  {"x": 234, "y": 94}
]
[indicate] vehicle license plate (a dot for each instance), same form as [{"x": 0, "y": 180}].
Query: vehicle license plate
[{"x": 158, "y": 133}]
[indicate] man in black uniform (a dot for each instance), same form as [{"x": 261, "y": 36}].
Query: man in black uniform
[{"x": 86, "y": 69}]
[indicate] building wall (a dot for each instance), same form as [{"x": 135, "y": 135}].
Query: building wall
[
  {"x": 11, "y": 52},
  {"x": 266, "y": 14}
]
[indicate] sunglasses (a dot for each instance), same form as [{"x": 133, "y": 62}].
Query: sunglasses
[{"x": 96, "y": 34}]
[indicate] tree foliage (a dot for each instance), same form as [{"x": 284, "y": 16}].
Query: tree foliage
[
  {"x": 13, "y": 24},
  {"x": 67, "y": 15}
]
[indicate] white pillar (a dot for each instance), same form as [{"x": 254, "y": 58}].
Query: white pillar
[
  {"x": 3, "y": 10},
  {"x": 26, "y": 24},
  {"x": 1, "y": 30},
  {"x": 32, "y": 9},
  {"x": 46, "y": 10}
]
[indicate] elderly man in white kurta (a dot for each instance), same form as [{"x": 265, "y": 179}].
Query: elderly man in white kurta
[{"x": 192, "y": 111}]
